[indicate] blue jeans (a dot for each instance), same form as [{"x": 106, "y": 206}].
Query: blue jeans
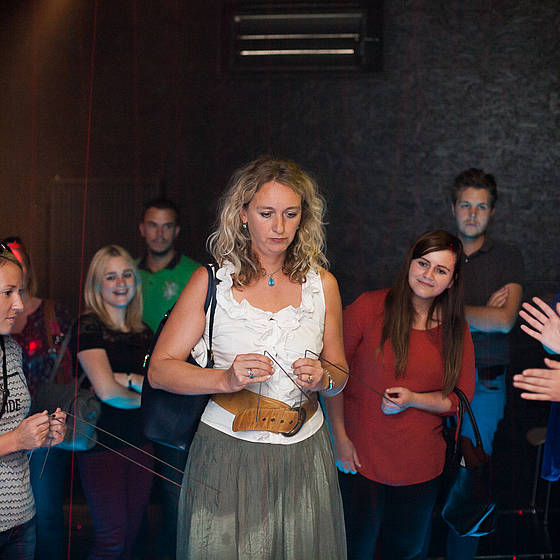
[
  {"x": 18, "y": 543},
  {"x": 400, "y": 515},
  {"x": 48, "y": 491}
]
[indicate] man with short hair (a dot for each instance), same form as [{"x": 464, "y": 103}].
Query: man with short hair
[
  {"x": 164, "y": 273},
  {"x": 493, "y": 277}
]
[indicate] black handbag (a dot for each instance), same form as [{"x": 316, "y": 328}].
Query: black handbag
[
  {"x": 82, "y": 405},
  {"x": 168, "y": 418},
  {"x": 468, "y": 506}
]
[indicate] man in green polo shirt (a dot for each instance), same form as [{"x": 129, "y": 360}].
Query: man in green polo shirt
[
  {"x": 163, "y": 271},
  {"x": 164, "y": 274}
]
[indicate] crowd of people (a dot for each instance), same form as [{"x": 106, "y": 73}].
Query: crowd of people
[{"x": 288, "y": 364}]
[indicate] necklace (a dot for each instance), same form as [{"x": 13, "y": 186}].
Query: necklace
[{"x": 270, "y": 276}]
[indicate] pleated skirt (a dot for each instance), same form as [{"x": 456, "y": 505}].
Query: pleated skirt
[{"x": 246, "y": 500}]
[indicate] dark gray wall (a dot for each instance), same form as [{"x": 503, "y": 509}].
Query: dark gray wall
[{"x": 465, "y": 83}]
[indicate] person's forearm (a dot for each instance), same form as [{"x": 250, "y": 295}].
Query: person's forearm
[
  {"x": 8, "y": 443},
  {"x": 339, "y": 381},
  {"x": 489, "y": 319},
  {"x": 119, "y": 397},
  {"x": 125, "y": 400},
  {"x": 431, "y": 402},
  {"x": 335, "y": 412},
  {"x": 183, "y": 378}
]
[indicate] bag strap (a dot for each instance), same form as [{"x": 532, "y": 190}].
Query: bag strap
[
  {"x": 209, "y": 303},
  {"x": 50, "y": 319},
  {"x": 464, "y": 405},
  {"x": 5, "y": 391},
  {"x": 60, "y": 356}
]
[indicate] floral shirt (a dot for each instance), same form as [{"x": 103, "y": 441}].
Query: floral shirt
[{"x": 38, "y": 358}]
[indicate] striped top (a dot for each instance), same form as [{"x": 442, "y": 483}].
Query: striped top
[{"x": 16, "y": 497}]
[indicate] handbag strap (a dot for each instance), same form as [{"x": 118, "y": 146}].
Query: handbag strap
[
  {"x": 211, "y": 302},
  {"x": 465, "y": 405},
  {"x": 50, "y": 320},
  {"x": 60, "y": 356},
  {"x": 5, "y": 391}
]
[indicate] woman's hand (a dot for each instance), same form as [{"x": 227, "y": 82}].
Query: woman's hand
[
  {"x": 57, "y": 428},
  {"x": 32, "y": 431},
  {"x": 309, "y": 374},
  {"x": 545, "y": 322},
  {"x": 247, "y": 369},
  {"x": 347, "y": 460},
  {"x": 540, "y": 384},
  {"x": 396, "y": 399}
]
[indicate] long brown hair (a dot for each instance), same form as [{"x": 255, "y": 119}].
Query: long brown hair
[{"x": 447, "y": 309}]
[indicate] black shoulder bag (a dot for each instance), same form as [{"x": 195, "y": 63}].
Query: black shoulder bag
[
  {"x": 468, "y": 507},
  {"x": 169, "y": 418}
]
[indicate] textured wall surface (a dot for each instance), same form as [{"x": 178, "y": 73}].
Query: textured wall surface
[{"x": 465, "y": 83}]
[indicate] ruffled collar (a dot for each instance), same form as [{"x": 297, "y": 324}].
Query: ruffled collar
[{"x": 288, "y": 316}]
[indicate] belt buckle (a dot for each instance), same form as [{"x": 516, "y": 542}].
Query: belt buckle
[{"x": 300, "y": 421}]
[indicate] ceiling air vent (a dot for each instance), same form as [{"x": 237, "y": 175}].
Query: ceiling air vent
[{"x": 287, "y": 36}]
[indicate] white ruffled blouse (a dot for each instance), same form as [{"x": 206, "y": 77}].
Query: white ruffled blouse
[{"x": 240, "y": 328}]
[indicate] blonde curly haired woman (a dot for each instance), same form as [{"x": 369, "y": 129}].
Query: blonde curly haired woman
[{"x": 270, "y": 489}]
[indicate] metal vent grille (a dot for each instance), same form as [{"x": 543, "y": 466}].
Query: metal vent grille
[{"x": 269, "y": 36}]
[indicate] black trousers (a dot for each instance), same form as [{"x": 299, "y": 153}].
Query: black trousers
[{"x": 398, "y": 516}]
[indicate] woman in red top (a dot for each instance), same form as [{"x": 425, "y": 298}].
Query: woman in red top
[{"x": 410, "y": 345}]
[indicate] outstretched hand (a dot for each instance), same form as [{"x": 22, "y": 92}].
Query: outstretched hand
[
  {"x": 540, "y": 384},
  {"x": 545, "y": 322}
]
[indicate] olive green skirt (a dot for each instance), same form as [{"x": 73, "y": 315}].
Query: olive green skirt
[{"x": 260, "y": 501}]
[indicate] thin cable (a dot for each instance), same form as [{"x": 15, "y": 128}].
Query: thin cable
[
  {"x": 382, "y": 395},
  {"x": 82, "y": 249},
  {"x": 134, "y": 447},
  {"x": 266, "y": 352}
]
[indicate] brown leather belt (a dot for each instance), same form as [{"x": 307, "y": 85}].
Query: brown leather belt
[{"x": 271, "y": 415}]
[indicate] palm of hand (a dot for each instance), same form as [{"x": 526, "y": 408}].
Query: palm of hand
[{"x": 551, "y": 334}]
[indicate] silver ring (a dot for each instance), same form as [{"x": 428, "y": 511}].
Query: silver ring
[{"x": 250, "y": 372}]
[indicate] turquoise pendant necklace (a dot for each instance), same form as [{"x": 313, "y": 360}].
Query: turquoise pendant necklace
[{"x": 270, "y": 276}]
